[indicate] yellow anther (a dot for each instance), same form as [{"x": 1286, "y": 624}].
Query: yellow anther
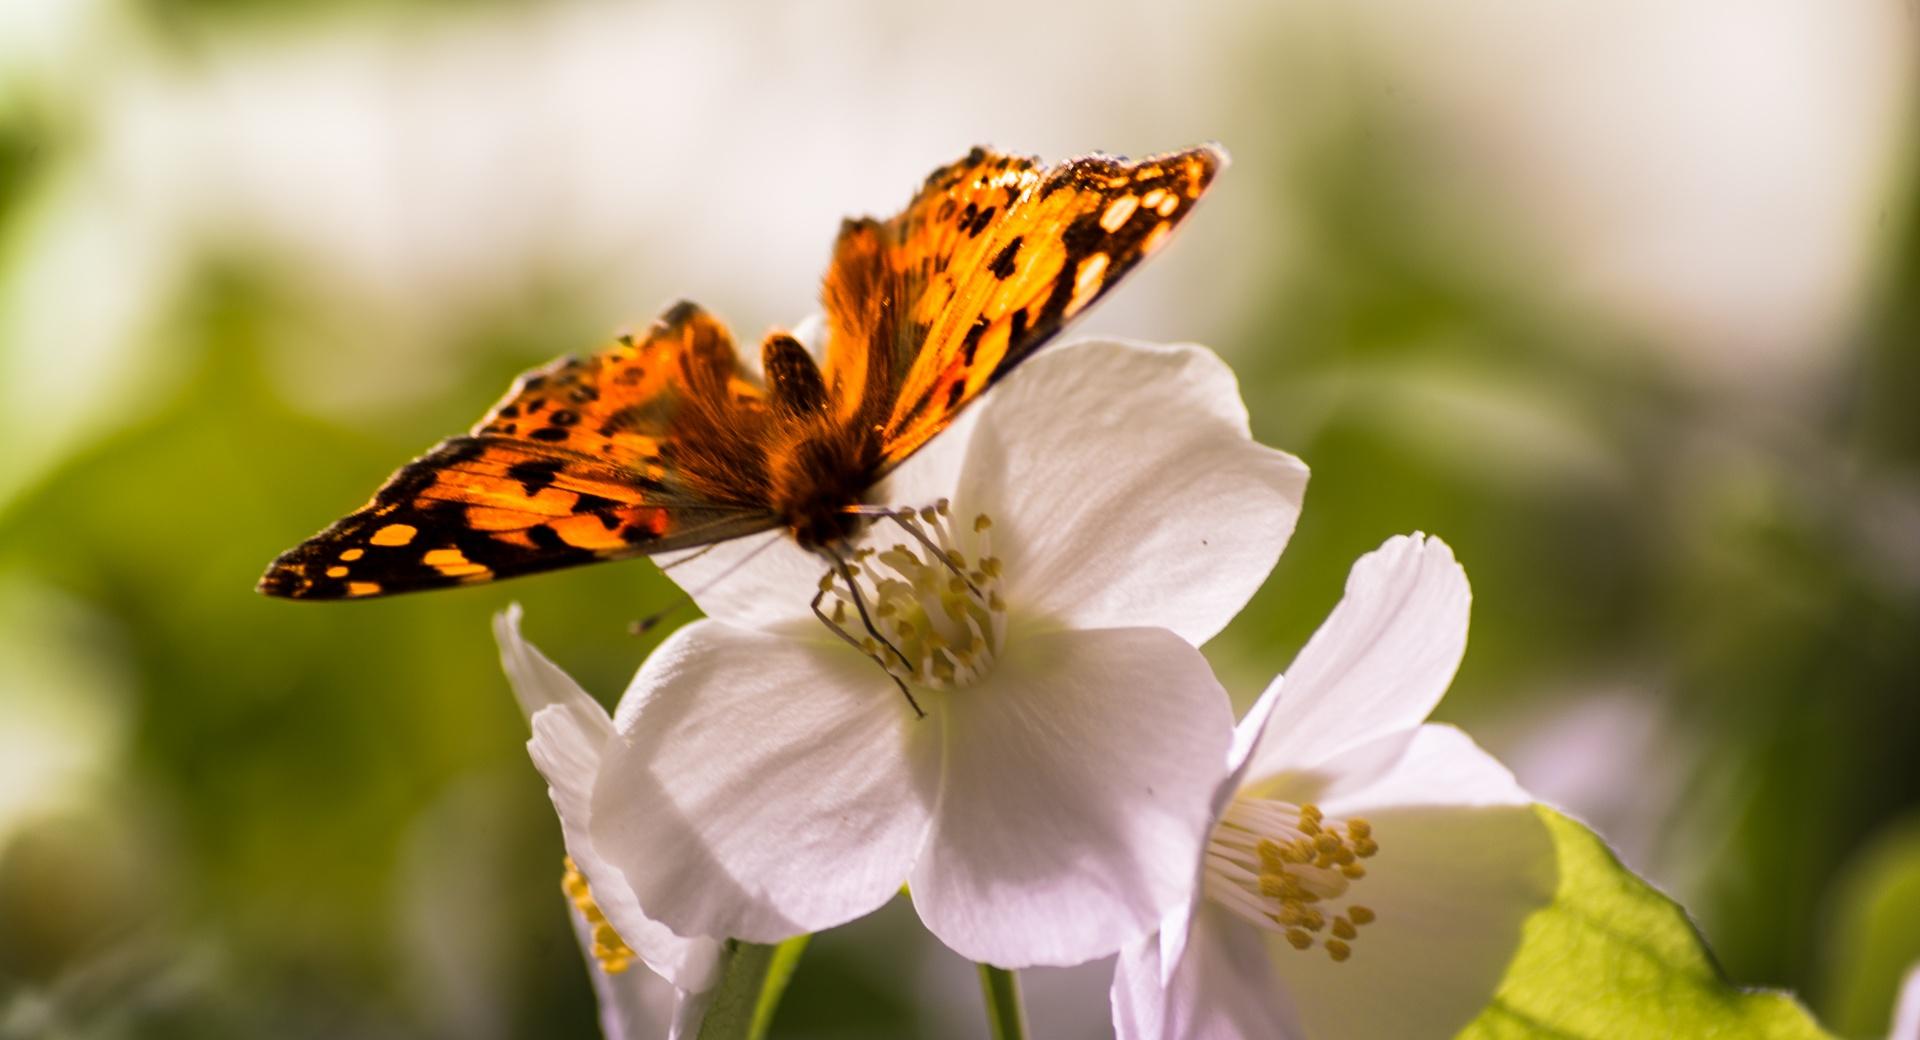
[
  {"x": 1343, "y": 928},
  {"x": 1309, "y": 826},
  {"x": 1353, "y": 871},
  {"x": 1272, "y": 856},
  {"x": 614, "y": 955},
  {"x": 928, "y": 514},
  {"x": 1360, "y": 914},
  {"x": 1338, "y": 950},
  {"x": 826, "y": 581},
  {"x": 991, "y": 566},
  {"x": 943, "y": 507},
  {"x": 1359, "y": 828},
  {"x": 981, "y": 523},
  {"x": 1312, "y": 812},
  {"x": 1299, "y": 939},
  {"x": 1326, "y": 844},
  {"x": 1364, "y": 847}
]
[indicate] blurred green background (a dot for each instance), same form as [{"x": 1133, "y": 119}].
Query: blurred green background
[{"x": 1619, "y": 298}]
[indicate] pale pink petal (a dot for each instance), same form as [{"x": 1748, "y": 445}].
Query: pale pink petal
[
  {"x": 1125, "y": 489},
  {"x": 635, "y": 1004},
  {"x": 1463, "y": 861},
  {"x": 1378, "y": 664},
  {"x": 1078, "y": 781},
  {"x": 763, "y": 786},
  {"x": 1223, "y": 988}
]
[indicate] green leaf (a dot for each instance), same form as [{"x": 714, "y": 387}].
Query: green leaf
[
  {"x": 1613, "y": 958},
  {"x": 750, "y": 990}
]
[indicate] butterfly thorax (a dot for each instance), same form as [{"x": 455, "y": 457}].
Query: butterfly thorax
[{"x": 815, "y": 476}]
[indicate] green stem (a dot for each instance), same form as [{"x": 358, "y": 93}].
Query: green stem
[
  {"x": 750, "y": 990},
  {"x": 1006, "y": 1018}
]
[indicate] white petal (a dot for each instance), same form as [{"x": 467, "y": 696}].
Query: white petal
[
  {"x": 1435, "y": 764},
  {"x": 1125, "y": 489},
  {"x": 1458, "y": 872},
  {"x": 635, "y": 1004},
  {"x": 764, "y": 786},
  {"x": 1079, "y": 774},
  {"x": 569, "y": 734},
  {"x": 1378, "y": 664},
  {"x": 1222, "y": 989},
  {"x": 763, "y": 580},
  {"x": 537, "y": 682}
]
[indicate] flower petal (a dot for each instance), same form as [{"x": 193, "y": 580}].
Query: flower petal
[
  {"x": 1221, "y": 989},
  {"x": 1125, "y": 489},
  {"x": 763, "y": 581},
  {"x": 1076, "y": 796},
  {"x": 1378, "y": 664},
  {"x": 1461, "y": 865},
  {"x": 635, "y": 1004},
  {"x": 570, "y": 731},
  {"x": 537, "y": 682},
  {"x": 765, "y": 786},
  {"x": 1435, "y": 764}
]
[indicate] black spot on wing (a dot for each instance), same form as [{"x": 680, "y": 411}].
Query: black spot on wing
[
  {"x": 1004, "y": 264},
  {"x": 535, "y": 475}
]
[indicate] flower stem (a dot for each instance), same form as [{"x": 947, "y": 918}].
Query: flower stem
[
  {"x": 750, "y": 990},
  {"x": 1006, "y": 1017}
]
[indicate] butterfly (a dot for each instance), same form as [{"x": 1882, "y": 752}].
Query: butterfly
[{"x": 665, "y": 441}]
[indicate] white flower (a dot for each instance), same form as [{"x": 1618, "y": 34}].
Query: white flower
[
  {"x": 1367, "y": 875},
  {"x": 1111, "y": 512},
  {"x": 570, "y": 735}
]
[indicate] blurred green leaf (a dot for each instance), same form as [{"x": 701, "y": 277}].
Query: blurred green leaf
[
  {"x": 1612, "y": 958},
  {"x": 1876, "y": 932}
]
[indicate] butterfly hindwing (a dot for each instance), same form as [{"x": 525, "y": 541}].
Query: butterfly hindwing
[
  {"x": 988, "y": 262},
  {"x": 583, "y": 460}
]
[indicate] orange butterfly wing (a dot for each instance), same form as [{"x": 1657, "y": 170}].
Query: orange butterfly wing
[
  {"x": 637, "y": 449},
  {"x": 989, "y": 261}
]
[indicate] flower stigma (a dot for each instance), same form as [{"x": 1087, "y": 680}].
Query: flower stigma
[
  {"x": 1282, "y": 867},
  {"x": 613, "y": 953},
  {"x": 935, "y": 601}
]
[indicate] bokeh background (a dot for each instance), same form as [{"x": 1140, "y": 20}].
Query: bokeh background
[{"x": 1621, "y": 298}]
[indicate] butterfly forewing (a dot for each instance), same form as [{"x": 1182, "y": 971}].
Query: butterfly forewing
[
  {"x": 995, "y": 255},
  {"x": 585, "y": 459}
]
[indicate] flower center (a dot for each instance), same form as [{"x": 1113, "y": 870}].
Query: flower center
[
  {"x": 935, "y": 599},
  {"x": 613, "y": 953},
  {"x": 1283, "y": 867}
]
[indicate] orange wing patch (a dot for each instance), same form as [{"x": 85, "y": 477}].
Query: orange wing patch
[
  {"x": 994, "y": 256},
  {"x": 583, "y": 460}
]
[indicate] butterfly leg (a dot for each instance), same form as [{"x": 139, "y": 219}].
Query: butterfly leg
[
  {"x": 834, "y": 627},
  {"x": 905, "y": 519}
]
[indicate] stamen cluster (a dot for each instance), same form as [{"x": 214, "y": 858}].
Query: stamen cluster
[
  {"x": 934, "y": 601},
  {"x": 613, "y": 953},
  {"x": 1282, "y": 866}
]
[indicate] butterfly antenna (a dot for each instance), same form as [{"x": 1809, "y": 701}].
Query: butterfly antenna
[
  {"x": 653, "y": 620},
  {"x": 907, "y": 518}
]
